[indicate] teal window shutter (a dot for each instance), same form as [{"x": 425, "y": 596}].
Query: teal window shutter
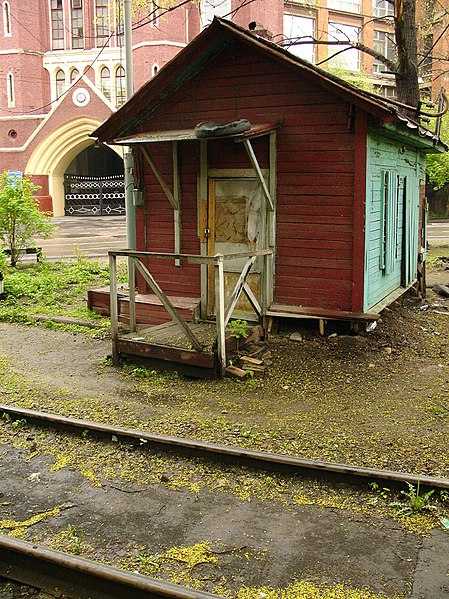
[
  {"x": 411, "y": 224},
  {"x": 388, "y": 221}
]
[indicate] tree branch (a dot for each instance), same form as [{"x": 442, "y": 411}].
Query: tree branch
[{"x": 350, "y": 45}]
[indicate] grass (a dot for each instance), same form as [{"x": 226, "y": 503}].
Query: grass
[{"x": 54, "y": 289}]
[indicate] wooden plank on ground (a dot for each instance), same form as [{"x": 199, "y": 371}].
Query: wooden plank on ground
[{"x": 168, "y": 354}]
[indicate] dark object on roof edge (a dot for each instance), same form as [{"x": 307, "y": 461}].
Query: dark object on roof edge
[{"x": 214, "y": 129}]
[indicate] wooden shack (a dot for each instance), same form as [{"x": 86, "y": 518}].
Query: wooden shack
[{"x": 315, "y": 211}]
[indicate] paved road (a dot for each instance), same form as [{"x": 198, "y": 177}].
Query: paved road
[
  {"x": 438, "y": 232},
  {"x": 93, "y": 236},
  {"x": 96, "y": 235}
]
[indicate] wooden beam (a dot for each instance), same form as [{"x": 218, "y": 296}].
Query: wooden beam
[
  {"x": 202, "y": 223},
  {"x": 211, "y": 248},
  {"x": 258, "y": 171},
  {"x": 238, "y": 289},
  {"x": 177, "y": 198},
  {"x": 132, "y": 295},
  {"x": 167, "y": 303},
  {"x": 192, "y": 258},
  {"x": 113, "y": 307},
  {"x": 269, "y": 262},
  {"x": 252, "y": 298},
  {"x": 220, "y": 315},
  {"x": 359, "y": 219},
  {"x": 170, "y": 197}
]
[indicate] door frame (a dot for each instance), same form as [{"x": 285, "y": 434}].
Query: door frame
[
  {"x": 207, "y": 235},
  {"x": 268, "y": 179}
]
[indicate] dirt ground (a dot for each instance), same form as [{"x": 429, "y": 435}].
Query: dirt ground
[{"x": 378, "y": 399}]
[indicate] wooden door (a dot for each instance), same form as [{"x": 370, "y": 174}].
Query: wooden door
[{"x": 235, "y": 222}]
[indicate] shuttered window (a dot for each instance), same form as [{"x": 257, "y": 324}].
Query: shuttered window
[
  {"x": 411, "y": 228},
  {"x": 388, "y": 221}
]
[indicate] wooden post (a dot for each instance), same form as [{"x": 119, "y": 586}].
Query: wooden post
[
  {"x": 202, "y": 223},
  {"x": 113, "y": 307},
  {"x": 271, "y": 224},
  {"x": 258, "y": 171},
  {"x": 211, "y": 247},
  {"x": 220, "y": 314},
  {"x": 132, "y": 295},
  {"x": 177, "y": 196}
]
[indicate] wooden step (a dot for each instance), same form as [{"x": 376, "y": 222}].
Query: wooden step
[{"x": 149, "y": 309}]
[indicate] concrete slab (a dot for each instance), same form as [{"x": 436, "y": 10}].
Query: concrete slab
[{"x": 93, "y": 236}]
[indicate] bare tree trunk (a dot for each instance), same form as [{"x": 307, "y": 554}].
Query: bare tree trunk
[{"x": 406, "y": 40}]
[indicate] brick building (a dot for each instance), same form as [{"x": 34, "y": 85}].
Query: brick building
[{"x": 62, "y": 74}]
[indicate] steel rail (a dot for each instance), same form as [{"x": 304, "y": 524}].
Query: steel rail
[
  {"x": 79, "y": 578},
  {"x": 227, "y": 454}
]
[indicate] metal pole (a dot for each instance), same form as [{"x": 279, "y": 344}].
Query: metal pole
[{"x": 129, "y": 161}]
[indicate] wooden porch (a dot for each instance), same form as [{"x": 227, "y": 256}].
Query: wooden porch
[{"x": 196, "y": 347}]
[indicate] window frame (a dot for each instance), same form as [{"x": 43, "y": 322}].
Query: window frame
[
  {"x": 382, "y": 8},
  {"x": 76, "y": 30},
  {"x": 102, "y": 31},
  {"x": 333, "y": 49},
  {"x": 7, "y": 31},
  {"x": 387, "y": 47},
  {"x": 303, "y": 48},
  {"x": 57, "y": 25},
  {"x": 120, "y": 86},
  {"x": 106, "y": 89},
  {"x": 219, "y": 8},
  {"x": 60, "y": 83},
  {"x": 10, "y": 90},
  {"x": 345, "y": 6}
]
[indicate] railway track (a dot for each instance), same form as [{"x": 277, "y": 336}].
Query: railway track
[
  {"x": 226, "y": 454},
  {"x": 78, "y": 578}
]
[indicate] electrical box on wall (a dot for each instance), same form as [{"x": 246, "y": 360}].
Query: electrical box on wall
[{"x": 137, "y": 197}]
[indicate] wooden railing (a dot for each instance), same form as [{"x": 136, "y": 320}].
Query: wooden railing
[{"x": 223, "y": 312}]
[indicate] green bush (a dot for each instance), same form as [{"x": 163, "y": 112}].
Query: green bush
[{"x": 20, "y": 217}]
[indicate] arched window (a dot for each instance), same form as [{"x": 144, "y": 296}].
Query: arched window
[
  {"x": 6, "y": 19},
  {"x": 105, "y": 82},
  {"x": 74, "y": 74},
  {"x": 10, "y": 90},
  {"x": 120, "y": 88},
  {"x": 60, "y": 82},
  {"x": 155, "y": 70}
]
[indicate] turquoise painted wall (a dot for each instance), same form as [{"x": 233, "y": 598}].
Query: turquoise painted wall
[{"x": 394, "y": 172}]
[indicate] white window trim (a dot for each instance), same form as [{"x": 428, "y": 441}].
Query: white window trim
[
  {"x": 154, "y": 22},
  {"x": 58, "y": 96},
  {"x": 311, "y": 48},
  {"x": 340, "y": 27},
  {"x": 97, "y": 27},
  {"x": 64, "y": 39},
  {"x": 204, "y": 14},
  {"x": 71, "y": 30},
  {"x": 10, "y": 90},
  {"x": 114, "y": 84},
  {"x": 6, "y": 19},
  {"x": 111, "y": 81}
]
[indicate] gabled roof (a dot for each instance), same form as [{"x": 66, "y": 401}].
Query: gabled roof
[{"x": 211, "y": 42}]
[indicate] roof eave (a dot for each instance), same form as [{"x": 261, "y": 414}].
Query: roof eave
[{"x": 197, "y": 54}]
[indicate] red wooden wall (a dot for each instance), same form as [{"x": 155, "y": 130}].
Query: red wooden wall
[{"x": 315, "y": 152}]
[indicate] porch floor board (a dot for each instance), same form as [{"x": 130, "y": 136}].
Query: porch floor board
[{"x": 170, "y": 334}]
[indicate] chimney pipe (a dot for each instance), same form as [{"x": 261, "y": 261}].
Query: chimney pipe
[{"x": 258, "y": 29}]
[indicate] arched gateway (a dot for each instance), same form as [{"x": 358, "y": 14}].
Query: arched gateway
[{"x": 83, "y": 179}]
